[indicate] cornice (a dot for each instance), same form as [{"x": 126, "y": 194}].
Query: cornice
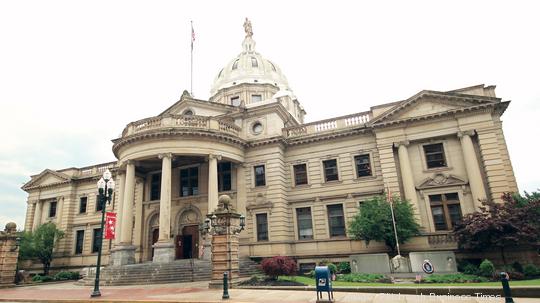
[{"x": 327, "y": 135}]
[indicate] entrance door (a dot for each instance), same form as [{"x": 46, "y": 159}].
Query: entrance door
[
  {"x": 187, "y": 245},
  {"x": 155, "y": 237}
]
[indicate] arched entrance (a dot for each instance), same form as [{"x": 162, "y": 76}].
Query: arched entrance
[
  {"x": 187, "y": 239},
  {"x": 153, "y": 235}
]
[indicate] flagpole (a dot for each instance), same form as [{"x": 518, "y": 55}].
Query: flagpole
[
  {"x": 390, "y": 200},
  {"x": 192, "y": 38}
]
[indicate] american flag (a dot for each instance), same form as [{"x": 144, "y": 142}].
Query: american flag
[{"x": 192, "y": 35}]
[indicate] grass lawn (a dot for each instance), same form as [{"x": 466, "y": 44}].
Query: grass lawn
[{"x": 311, "y": 282}]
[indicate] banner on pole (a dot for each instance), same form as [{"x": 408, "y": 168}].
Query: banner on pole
[{"x": 110, "y": 224}]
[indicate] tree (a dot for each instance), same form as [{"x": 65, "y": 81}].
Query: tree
[
  {"x": 278, "y": 266},
  {"x": 514, "y": 222},
  {"x": 373, "y": 222},
  {"x": 39, "y": 244}
]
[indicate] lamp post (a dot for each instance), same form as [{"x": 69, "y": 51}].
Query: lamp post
[{"x": 105, "y": 189}]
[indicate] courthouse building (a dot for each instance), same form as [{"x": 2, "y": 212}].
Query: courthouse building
[{"x": 298, "y": 184}]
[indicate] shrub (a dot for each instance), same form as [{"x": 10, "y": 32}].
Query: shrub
[
  {"x": 278, "y": 266},
  {"x": 362, "y": 277},
  {"x": 331, "y": 266},
  {"x": 531, "y": 270},
  {"x": 517, "y": 267},
  {"x": 470, "y": 269},
  {"x": 37, "y": 278},
  {"x": 486, "y": 268},
  {"x": 344, "y": 267},
  {"x": 67, "y": 275},
  {"x": 453, "y": 278}
]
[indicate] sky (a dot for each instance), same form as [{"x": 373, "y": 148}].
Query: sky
[{"x": 74, "y": 73}]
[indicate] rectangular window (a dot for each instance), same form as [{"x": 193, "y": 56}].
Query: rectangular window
[
  {"x": 155, "y": 187},
  {"x": 300, "y": 174},
  {"x": 82, "y": 204},
  {"x": 52, "y": 209},
  {"x": 446, "y": 210},
  {"x": 434, "y": 155},
  {"x": 260, "y": 178},
  {"x": 96, "y": 240},
  {"x": 330, "y": 170},
  {"x": 336, "y": 220},
  {"x": 224, "y": 176},
  {"x": 235, "y": 101},
  {"x": 99, "y": 204},
  {"x": 189, "y": 181},
  {"x": 262, "y": 227},
  {"x": 305, "y": 226},
  {"x": 79, "y": 242},
  {"x": 363, "y": 166},
  {"x": 256, "y": 98}
]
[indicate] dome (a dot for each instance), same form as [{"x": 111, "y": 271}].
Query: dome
[{"x": 249, "y": 67}]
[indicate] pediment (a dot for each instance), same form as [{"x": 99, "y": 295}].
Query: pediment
[
  {"x": 197, "y": 107},
  {"x": 431, "y": 103},
  {"x": 47, "y": 177},
  {"x": 441, "y": 180}
]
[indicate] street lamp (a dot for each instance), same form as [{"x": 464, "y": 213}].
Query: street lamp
[{"x": 105, "y": 188}]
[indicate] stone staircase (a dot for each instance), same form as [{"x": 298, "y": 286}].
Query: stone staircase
[{"x": 187, "y": 270}]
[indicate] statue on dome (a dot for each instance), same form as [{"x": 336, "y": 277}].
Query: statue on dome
[{"x": 247, "y": 28}]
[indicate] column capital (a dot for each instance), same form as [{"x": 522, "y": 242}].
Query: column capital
[
  {"x": 127, "y": 162},
  {"x": 469, "y": 133},
  {"x": 165, "y": 155},
  {"x": 214, "y": 156},
  {"x": 402, "y": 143}
]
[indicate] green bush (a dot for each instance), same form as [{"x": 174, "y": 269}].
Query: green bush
[
  {"x": 362, "y": 277},
  {"x": 344, "y": 267},
  {"x": 37, "y": 278},
  {"x": 331, "y": 266},
  {"x": 531, "y": 270},
  {"x": 67, "y": 275},
  {"x": 470, "y": 269},
  {"x": 486, "y": 268},
  {"x": 517, "y": 267},
  {"x": 454, "y": 278}
]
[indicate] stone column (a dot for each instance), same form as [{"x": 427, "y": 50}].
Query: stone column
[
  {"x": 407, "y": 178},
  {"x": 120, "y": 200},
  {"x": 124, "y": 253},
  {"x": 212, "y": 182},
  {"x": 59, "y": 211},
  {"x": 476, "y": 182},
  {"x": 241, "y": 200},
  {"x": 164, "y": 247},
  {"x": 37, "y": 215}
]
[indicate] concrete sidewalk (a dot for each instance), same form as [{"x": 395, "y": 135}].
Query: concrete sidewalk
[{"x": 199, "y": 292}]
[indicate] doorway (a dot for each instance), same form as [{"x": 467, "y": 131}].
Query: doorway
[
  {"x": 155, "y": 237},
  {"x": 187, "y": 244}
]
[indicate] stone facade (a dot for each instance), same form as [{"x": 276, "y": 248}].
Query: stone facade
[
  {"x": 297, "y": 183},
  {"x": 9, "y": 252}
]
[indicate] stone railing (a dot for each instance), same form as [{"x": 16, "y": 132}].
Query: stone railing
[
  {"x": 349, "y": 121},
  {"x": 96, "y": 169},
  {"x": 181, "y": 121},
  {"x": 442, "y": 239}
]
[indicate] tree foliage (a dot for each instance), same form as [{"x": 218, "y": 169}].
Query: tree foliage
[
  {"x": 516, "y": 221},
  {"x": 39, "y": 244},
  {"x": 279, "y": 266},
  {"x": 373, "y": 222}
]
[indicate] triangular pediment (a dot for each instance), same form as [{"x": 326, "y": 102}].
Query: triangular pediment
[
  {"x": 47, "y": 177},
  {"x": 190, "y": 105},
  {"x": 432, "y": 104},
  {"x": 441, "y": 180}
]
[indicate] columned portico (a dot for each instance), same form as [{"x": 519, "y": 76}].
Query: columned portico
[
  {"x": 407, "y": 177},
  {"x": 121, "y": 186},
  {"x": 212, "y": 182},
  {"x": 472, "y": 167},
  {"x": 164, "y": 247},
  {"x": 124, "y": 253}
]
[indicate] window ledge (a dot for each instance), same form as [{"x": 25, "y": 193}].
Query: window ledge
[
  {"x": 301, "y": 186},
  {"x": 359, "y": 179},
  {"x": 332, "y": 182},
  {"x": 338, "y": 238},
  {"x": 437, "y": 169},
  {"x": 260, "y": 187}
]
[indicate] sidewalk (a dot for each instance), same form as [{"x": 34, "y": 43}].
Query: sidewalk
[{"x": 199, "y": 292}]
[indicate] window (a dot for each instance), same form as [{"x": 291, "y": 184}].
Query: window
[
  {"x": 82, "y": 204},
  {"x": 445, "y": 210},
  {"x": 257, "y": 128},
  {"x": 189, "y": 182},
  {"x": 52, "y": 209},
  {"x": 336, "y": 220},
  {"x": 330, "y": 170},
  {"x": 99, "y": 204},
  {"x": 235, "y": 101},
  {"x": 155, "y": 187},
  {"x": 434, "y": 155},
  {"x": 260, "y": 179},
  {"x": 256, "y": 98},
  {"x": 224, "y": 176},
  {"x": 305, "y": 227},
  {"x": 254, "y": 62},
  {"x": 262, "y": 227},
  {"x": 79, "y": 242},
  {"x": 363, "y": 165},
  {"x": 300, "y": 174},
  {"x": 96, "y": 240},
  {"x": 188, "y": 112},
  {"x": 235, "y": 64}
]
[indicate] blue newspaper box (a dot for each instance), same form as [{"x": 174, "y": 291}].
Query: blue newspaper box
[{"x": 323, "y": 282}]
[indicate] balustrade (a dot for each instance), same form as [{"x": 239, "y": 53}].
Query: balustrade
[
  {"x": 348, "y": 121},
  {"x": 181, "y": 121}
]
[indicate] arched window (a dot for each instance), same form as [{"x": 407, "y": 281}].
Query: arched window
[
  {"x": 254, "y": 62},
  {"x": 235, "y": 64}
]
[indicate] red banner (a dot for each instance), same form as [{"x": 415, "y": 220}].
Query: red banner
[{"x": 110, "y": 225}]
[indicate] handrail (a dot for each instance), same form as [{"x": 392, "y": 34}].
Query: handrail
[{"x": 348, "y": 121}]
